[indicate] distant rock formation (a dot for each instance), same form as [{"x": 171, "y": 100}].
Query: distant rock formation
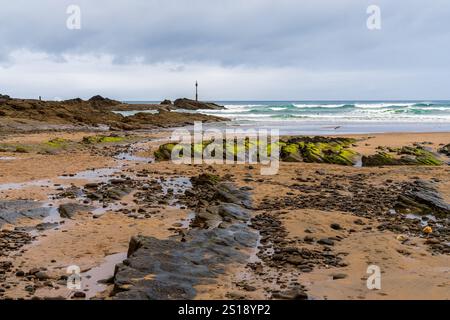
[
  {"x": 166, "y": 102},
  {"x": 99, "y": 101},
  {"x": 195, "y": 105}
]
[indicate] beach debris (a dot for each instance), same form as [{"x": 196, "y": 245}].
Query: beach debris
[{"x": 427, "y": 230}]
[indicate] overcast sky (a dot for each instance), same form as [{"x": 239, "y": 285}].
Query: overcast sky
[{"x": 236, "y": 49}]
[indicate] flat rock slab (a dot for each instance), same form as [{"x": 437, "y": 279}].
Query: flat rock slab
[
  {"x": 169, "y": 269},
  {"x": 12, "y": 210}
]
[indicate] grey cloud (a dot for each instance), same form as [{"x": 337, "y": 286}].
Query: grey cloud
[{"x": 308, "y": 33}]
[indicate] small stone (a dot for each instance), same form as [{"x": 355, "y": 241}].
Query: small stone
[
  {"x": 337, "y": 276},
  {"x": 335, "y": 226},
  {"x": 326, "y": 241},
  {"x": 79, "y": 294},
  {"x": 41, "y": 275},
  {"x": 20, "y": 273}
]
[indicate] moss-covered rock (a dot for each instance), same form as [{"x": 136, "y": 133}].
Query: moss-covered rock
[
  {"x": 307, "y": 149},
  {"x": 291, "y": 153},
  {"x": 102, "y": 139},
  {"x": 164, "y": 151},
  {"x": 407, "y": 155},
  {"x": 321, "y": 150},
  {"x": 57, "y": 143}
]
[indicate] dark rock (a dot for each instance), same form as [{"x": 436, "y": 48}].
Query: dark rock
[
  {"x": 195, "y": 105},
  {"x": 336, "y": 226},
  {"x": 326, "y": 241},
  {"x": 338, "y": 276},
  {"x": 79, "y": 295},
  {"x": 293, "y": 294},
  {"x": 69, "y": 210},
  {"x": 41, "y": 275},
  {"x": 166, "y": 102}
]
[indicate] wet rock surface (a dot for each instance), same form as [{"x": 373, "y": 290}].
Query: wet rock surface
[
  {"x": 12, "y": 210},
  {"x": 169, "y": 269}
]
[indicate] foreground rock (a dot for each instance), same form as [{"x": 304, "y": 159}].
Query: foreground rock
[
  {"x": 422, "y": 198},
  {"x": 170, "y": 269}
]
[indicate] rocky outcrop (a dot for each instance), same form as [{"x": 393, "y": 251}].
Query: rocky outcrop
[
  {"x": 97, "y": 112},
  {"x": 98, "y": 101},
  {"x": 302, "y": 149},
  {"x": 166, "y": 102},
  {"x": 195, "y": 105}
]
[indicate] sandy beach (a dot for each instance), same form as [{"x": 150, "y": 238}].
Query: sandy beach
[{"x": 310, "y": 232}]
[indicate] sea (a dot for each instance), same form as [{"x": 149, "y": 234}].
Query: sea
[{"x": 334, "y": 117}]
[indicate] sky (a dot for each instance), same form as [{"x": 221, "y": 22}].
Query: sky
[{"x": 237, "y": 50}]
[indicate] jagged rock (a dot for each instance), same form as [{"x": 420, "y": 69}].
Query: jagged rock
[{"x": 422, "y": 198}]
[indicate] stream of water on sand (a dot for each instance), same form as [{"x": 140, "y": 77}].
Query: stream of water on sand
[{"x": 93, "y": 279}]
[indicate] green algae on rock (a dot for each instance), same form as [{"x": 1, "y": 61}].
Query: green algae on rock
[
  {"x": 301, "y": 149},
  {"x": 407, "y": 155},
  {"x": 102, "y": 139},
  {"x": 57, "y": 143}
]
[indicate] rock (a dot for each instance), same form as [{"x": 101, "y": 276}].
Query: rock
[
  {"x": 326, "y": 241},
  {"x": 188, "y": 104},
  {"x": 11, "y": 210},
  {"x": 336, "y": 226},
  {"x": 295, "y": 260},
  {"x": 92, "y": 185},
  {"x": 337, "y": 276},
  {"x": 166, "y": 102},
  {"x": 407, "y": 155},
  {"x": 293, "y": 294},
  {"x": 20, "y": 273},
  {"x": 30, "y": 288},
  {"x": 69, "y": 210},
  {"x": 79, "y": 295},
  {"x": 41, "y": 275},
  {"x": 33, "y": 271},
  {"x": 445, "y": 150},
  {"x": 422, "y": 198},
  {"x": 249, "y": 288}
]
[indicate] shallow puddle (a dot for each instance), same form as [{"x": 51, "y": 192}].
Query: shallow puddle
[{"x": 91, "y": 278}]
